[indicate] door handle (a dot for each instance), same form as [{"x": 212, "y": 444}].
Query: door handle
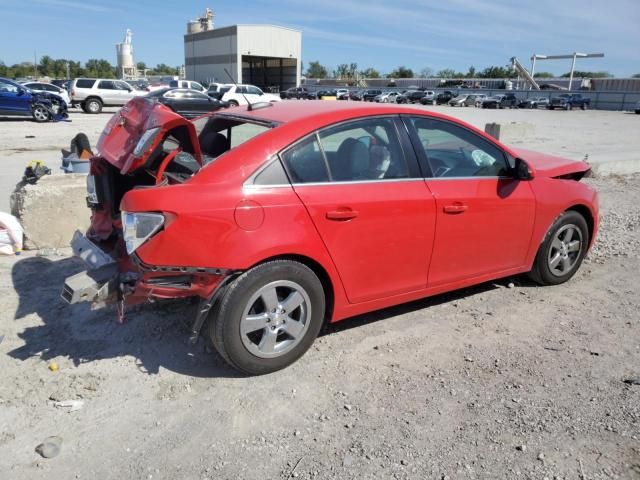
[
  {"x": 342, "y": 214},
  {"x": 455, "y": 208}
]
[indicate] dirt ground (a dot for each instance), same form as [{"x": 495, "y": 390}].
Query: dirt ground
[{"x": 505, "y": 380}]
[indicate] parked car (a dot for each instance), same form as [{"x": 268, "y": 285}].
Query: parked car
[
  {"x": 637, "y": 109},
  {"x": 217, "y": 90},
  {"x": 356, "y": 95},
  {"x": 387, "y": 97},
  {"x": 444, "y": 97},
  {"x": 94, "y": 93},
  {"x": 412, "y": 96},
  {"x": 241, "y": 94},
  {"x": 187, "y": 102},
  {"x": 534, "y": 102},
  {"x": 475, "y": 99},
  {"x": 459, "y": 101},
  {"x": 569, "y": 101},
  {"x": 62, "y": 83},
  {"x": 299, "y": 93},
  {"x": 19, "y": 101},
  {"x": 270, "y": 234},
  {"x": 326, "y": 93},
  {"x": 187, "y": 84},
  {"x": 370, "y": 94},
  {"x": 342, "y": 94},
  {"x": 48, "y": 87},
  {"x": 508, "y": 100}
]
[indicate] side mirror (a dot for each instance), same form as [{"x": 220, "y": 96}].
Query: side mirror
[{"x": 522, "y": 171}]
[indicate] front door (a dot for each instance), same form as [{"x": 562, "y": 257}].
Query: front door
[
  {"x": 13, "y": 99},
  {"x": 484, "y": 217},
  {"x": 369, "y": 204}
]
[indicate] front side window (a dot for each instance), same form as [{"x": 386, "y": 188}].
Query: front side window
[
  {"x": 8, "y": 87},
  {"x": 454, "y": 151},
  {"x": 254, "y": 91}
]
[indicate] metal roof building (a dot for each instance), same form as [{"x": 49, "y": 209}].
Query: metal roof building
[{"x": 267, "y": 56}]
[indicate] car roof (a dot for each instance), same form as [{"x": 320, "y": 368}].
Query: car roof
[{"x": 320, "y": 112}]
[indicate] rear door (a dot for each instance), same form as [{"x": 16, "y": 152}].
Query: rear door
[
  {"x": 108, "y": 92},
  {"x": 484, "y": 217},
  {"x": 361, "y": 185}
]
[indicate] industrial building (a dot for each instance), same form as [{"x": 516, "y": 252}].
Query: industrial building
[{"x": 267, "y": 56}]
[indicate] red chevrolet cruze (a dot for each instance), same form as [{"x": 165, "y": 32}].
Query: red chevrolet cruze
[{"x": 282, "y": 217}]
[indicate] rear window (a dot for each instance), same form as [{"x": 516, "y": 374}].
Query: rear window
[
  {"x": 218, "y": 134},
  {"x": 84, "y": 83}
]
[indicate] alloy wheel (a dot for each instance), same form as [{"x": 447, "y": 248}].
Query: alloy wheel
[
  {"x": 40, "y": 114},
  {"x": 565, "y": 250},
  {"x": 275, "y": 319}
]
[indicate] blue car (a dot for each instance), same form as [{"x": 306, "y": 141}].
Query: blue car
[{"x": 17, "y": 100}]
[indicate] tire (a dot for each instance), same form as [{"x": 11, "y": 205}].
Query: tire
[
  {"x": 233, "y": 103},
  {"x": 277, "y": 281},
  {"x": 40, "y": 113},
  {"x": 568, "y": 107},
  {"x": 92, "y": 106},
  {"x": 556, "y": 262},
  {"x": 584, "y": 106}
]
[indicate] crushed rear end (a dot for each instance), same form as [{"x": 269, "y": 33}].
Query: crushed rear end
[{"x": 145, "y": 145}]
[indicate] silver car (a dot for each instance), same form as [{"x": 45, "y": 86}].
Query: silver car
[
  {"x": 475, "y": 99},
  {"x": 459, "y": 101},
  {"x": 94, "y": 93}
]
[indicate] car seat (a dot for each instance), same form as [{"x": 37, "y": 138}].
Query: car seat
[
  {"x": 213, "y": 144},
  {"x": 352, "y": 161}
]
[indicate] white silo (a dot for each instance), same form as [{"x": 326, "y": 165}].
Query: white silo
[{"x": 126, "y": 65}]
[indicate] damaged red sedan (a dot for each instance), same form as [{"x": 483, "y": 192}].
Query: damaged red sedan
[{"x": 281, "y": 217}]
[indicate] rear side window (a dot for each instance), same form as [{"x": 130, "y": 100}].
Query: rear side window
[
  {"x": 106, "y": 85},
  {"x": 84, "y": 83},
  {"x": 305, "y": 162}
]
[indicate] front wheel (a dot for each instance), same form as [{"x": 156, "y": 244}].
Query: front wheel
[
  {"x": 233, "y": 103},
  {"x": 562, "y": 250},
  {"x": 269, "y": 317},
  {"x": 41, "y": 113}
]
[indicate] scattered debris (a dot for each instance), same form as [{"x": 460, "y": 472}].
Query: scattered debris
[
  {"x": 632, "y": 381},
  {"x": 53, "y": 366},
  {"x": 50, "y": 447},
  {"x": 70, "y": 405}
]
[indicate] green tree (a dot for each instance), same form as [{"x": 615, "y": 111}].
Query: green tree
[
  {"x": 402, "y": 72},
  {"x": 3, "y": 69},
  {"x": 471, "y": 73},
  {"x": 447, "y": 73},
  {"x": 635, "y": 75},
  {"x": 164, "y": 69},
  {"x": 45, "y": 67},
  {"x": 426, "y": 72},
  {"x": 370, "y": 73},
  {"x": 141, "y": 66},
  {"x": 497, "y": 72},
  {"x": 316, "y": 70},
  {"x": 583, "y": 74},
  {"x": 543, "y": 75}
]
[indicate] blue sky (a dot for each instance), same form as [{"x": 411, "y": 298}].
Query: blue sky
[{"x": 380, "y": 34}]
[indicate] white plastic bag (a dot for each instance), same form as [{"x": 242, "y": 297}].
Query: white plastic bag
[{"x": 11, "y": 234}]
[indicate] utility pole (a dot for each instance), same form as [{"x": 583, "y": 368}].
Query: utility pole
[{"x": 67, "y": 65}]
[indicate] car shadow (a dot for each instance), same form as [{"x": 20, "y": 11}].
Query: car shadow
[
  {"x": 404, "y": 308},
  {"x": 156, "y": 335}
]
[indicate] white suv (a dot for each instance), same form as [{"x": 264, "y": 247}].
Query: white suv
[
  {"x": 241, "y": 94},
  {"x": 94, "y": 93}
]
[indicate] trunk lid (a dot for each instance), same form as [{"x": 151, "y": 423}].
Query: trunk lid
[
  {"x": 118, "y": 141},
  {"x": 550, "y": 165}
]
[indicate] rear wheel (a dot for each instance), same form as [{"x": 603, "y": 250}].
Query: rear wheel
[
  {"x": 233, "y": 103},
  {"x": 41, "y": 114},
  {"x": 92, "y": 105},
  {"x": 562, "y": 250},
  {"x": 584, "y": 106},
  {"x": 269, "y": 317}
]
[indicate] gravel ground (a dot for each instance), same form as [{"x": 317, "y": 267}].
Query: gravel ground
[{"x": 505, "y": 380}]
